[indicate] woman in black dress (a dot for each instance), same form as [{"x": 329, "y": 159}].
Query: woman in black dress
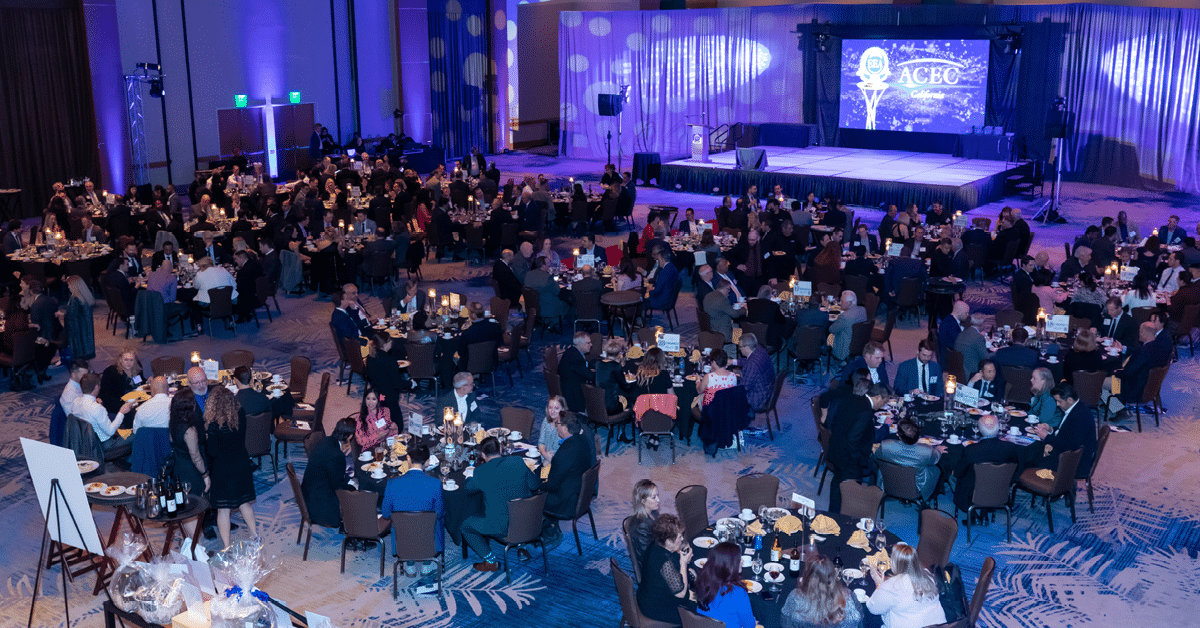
[
  {"x": 1085, "y": 355},
  {"x": 610, "y": 375},
  {"x": 187, "y": 444},
  {"x": 232, "y": 474},
  {"x": 119, "y": 378},
  {"x": 326, "y": 475},
  {"x": 664, "y": 586}
]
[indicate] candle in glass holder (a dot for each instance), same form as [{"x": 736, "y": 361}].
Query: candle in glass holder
[
  {"x": 445, "y": 301},
  {"x": 341, "y": 224},
  {"x": 951, "y": 385},
  {"x": 350, "y": 229},
  {"x": 432, "y": 295},
  {"x": 195, "y": 357}
]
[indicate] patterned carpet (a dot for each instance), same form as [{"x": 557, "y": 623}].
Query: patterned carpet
[{"x": 1131, "y": 563}]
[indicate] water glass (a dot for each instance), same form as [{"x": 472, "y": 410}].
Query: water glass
[{"x": 756, "y": 566}]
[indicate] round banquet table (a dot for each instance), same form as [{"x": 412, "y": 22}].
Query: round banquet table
[
  {"x": 940, "y": 297},
  {"x": 767, "y": 612},
  {"x": 620, "y": 303}
]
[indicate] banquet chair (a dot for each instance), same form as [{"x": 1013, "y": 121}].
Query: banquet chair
[
  {"x": 860, "y": 500},
  {"x": 285, "y": 434},
  {"x": 302, "y": 506},
  {"x": 954, "y": 364},
  {"x": 422, "y": 364},
  {"x": 168, "y": 365},
  {"x": 117, "y": 311},
  {"x": 1151, "y": 395},
  {"x": 711, "y": 340},
  {"x": 691, "y": 502},
  {"x": 1019, "y": 381},
  {"x": 900, "y": 483},
  {"x": 655, "y": 423},
  {"x": 809, "y": 347},
  {"x": 1188, "y": 322},
  {"x": 1011, "y": 318},
  {"x": 481, "y": 361},
  {"x": 1101, "y": 442},
  {"x": 908, "y": 296},
  {"x": 553, "y": 385},
  {"x": 232, "y": 359},
  {"x": 518, "y": 419},
  {"x": 587, "y": 494},
  {"x": 691, "y": 619},
  {"x": 982, "y": 584},
  {"x": 597, "y": 413},
  {"x": 354, "y": 358},
  {"x": 524, "y": 528},
  {"x": 341, "y": 353},
  {"x": 992, "y": 482},
  {"x": 361, "y": 520},
  {"x": 474, "y": 241},
  {"x": 263, "y": 290},
  {"x": 220, "y": 307},
  {"x": 937, "y": 535},
  {"x": 500, "y": 310},
  {"x": 527, "y": 334},
  {"x": 258, "y": 439},
  {"x": 870, "y": 303},
  {"x": 301, "y": 368},
  {"x": 417, "y": 544},
  {"x": 646, "y": 335},
  {"x": 1141, "y": 315},
  {"x": 859, "y": 285},
  {"x": 1090, "y": 385},
  {"x": 756, "y": 490},
  {"x": 702, "y": 318},
  {"x": 823, "y": 436},
  {"x": 977, "y": 257},
  {"x": 772, "y": 406},
  {"x": 883, "y": 335},
  {"x": 588, "y": 309},
  {"x": 860, "y": 335},
  {"x": 1062, "y": 485},
  {"x": 631, "y": 614},
  {"x": 633, "y": 559}
]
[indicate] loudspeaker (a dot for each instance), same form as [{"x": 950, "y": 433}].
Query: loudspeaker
[
  {"x": 609, "y": 104},
  {"x": 1060, "y": 123},
  {"x": 751, "y": 158}
]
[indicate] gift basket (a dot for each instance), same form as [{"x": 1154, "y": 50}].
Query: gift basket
[
  {"x": 150, "y": 590},
  {"x": 240, "y": 567}
]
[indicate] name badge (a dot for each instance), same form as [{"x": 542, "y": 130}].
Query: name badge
[
  {"x": 933, "y": 379},
  {"x": 1108, "y": 321},
  {"x": 474, "y": 406},
  {"x": 379, "y": 423}
]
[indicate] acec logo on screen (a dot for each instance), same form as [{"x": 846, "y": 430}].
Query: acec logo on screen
[{"x": 918, "y": 72}]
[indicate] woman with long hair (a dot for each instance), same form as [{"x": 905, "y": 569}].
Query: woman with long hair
[
  {"x": 384, "y": 373},
  {"x": 820, "y": 600},
  {"x": 664, "y": 586},
  {"x": 1042, "y": 404},
  {"x": 374, "y": 422},
  {"x": 119, "y": 379},
  {"x": 1140, "y": 294},
  {"x": 720, "y": 593},
  {"x": 645, "y": 513},
  {"x": 627, "y": 277},
  {"x": 548, "y": 439},
  {"x": 186, "y": 429},
  {"x": 1084, "y": 355},
  {"x": 827, "y": 265},
  {"x": 81, "y": 331},
  {"x": 709, "y": 245},
  {"x": 232, "y": 472},
  {"x": 326, "y": 474},
  {"x": 909, "y": 598},
  {"x": 1088, "y": 292},
  {"x": 653, "y": 377}
]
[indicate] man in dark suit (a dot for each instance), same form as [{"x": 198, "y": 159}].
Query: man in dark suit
[
  {"x": 589, "y": 283},
  {"x": 1022, "y": 281},
  {"x": 589, "y": 247},
  {"x": 1135, "y": 372},
  {"x": 941, "y": 260},
  {"x": 960, "y": 265},
  {"x": 509, "y": 287},
  {"x": 1080, "y": 262},
  {"x": 1188, "y": 294},
  {"x": 531, "y": 213},
  {"x": 252, "y": 401},
  {"x": 1171, "y": 233},
  {"x": 872, "y": 360},
  {"x": 1043, "y": 275},
  {"x": 860, "y": 265},
  {"x": 1077, "y": 431},
  {"x": 213, "y": 251},
  {"x": 1118, "y": 325},
  {"x": 461, "y": 399},
  {"x": 977, "y": 234},
  {"x": 480, "y": 330},
  {"x": 1017, "y": 354},
  {"x": 865, "y": 239},
  {"x": 1104, "y": 248},
  {"x": 271, "y": 265},
  {"x": 659, "y": 296},
  {"x": 689, "y": 224},
  {"x": 851, "y": 422},
  {"x": 314, "y": 144},
  {"x": 13, "y": 239},
  {"x": 118, "y": 279},
  {"x": 902, "y": 268},
  {"x": 574, "y": 371},
  {"x": 565, "y": 481},
  {"x": 167, "y": 253},
  {"x": 345, "y": 324},
  {"x": 91, "y": 233},
  {"x": 704, "y": 283},
  {"x": 989, "y": 449},
  {"x": 951, "y": 327},
  {"x": 500, "y": 479},
  {"x": 988, "y": 382},
  {"x": 835, "y": 216},
  {"x": 249, "y": 270},
  {"x": 920, "y": 373}
]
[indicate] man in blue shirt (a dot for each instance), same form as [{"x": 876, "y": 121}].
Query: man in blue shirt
[
  {"x": 415, "y": 491},
  {"x": 198, "y": 382}
]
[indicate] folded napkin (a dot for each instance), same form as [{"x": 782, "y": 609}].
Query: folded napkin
[
  {"x": 879, "y": 560},
  {"x": 789, "y": 524},
  {"x": 696, "y": 355},
  {"x": 825, "y": 525},
  {"x": 859, "y": 540},
  {"x": 529, "y": 463},
  {"x": 545, "y": 469},
  {"x": 756, "y": 528},
  {"x": 1045, "y": 474},
  {"x": 479, "y": 436}
]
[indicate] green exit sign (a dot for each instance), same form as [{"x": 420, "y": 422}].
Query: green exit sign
[
  {"x": 240, "y": 100},
  {"x": 294, "y": 97}
]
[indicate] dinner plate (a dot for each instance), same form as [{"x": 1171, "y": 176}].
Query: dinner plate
[
  {"x": 135, "y": 395},
  {"x": 731, "y": 522},
  {"x": 691, "y": 378},
  {"x": 277, "y": 387},
  {"x": 773, "y": 567},
  {"x": 499, "y": 432},
  {"x": 929, "y": 440},
  {"x": 777, "y": 513},
  {"x": 931, "y": 398},
  {"x": 853, "y": 574},
  {"x": 706, "y": 542},
  {"x": 87, "y": 466},
  {"x": 95, "y": 487},
  {"x": 371, "y": 467},
  {"x": 112, "y": 491},
  {"x": 699, "y": 562},
  {"x": 752, "y": 585},
  {"x": 403, "y": 363},
  {"x": 975, "y": 412},
  {"x": 1020, "y": 414},
  {"x": 883, "y": 414}
]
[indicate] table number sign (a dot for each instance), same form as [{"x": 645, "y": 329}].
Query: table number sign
[
  {"x": 895, "y": 249},
  {"x": 585, "y": 260},
  {"x": 803, "y": 289},
  {"x": 701, "y": 258},
  {"x": 669, "y": 342},
  {"x": 1058, "y": 324},
  {"x": 967, "y": 395}
]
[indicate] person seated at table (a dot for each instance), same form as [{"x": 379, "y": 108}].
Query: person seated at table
[
  {"x": 937, "y": 215},
  {"x": 841, "y": 330},
  {"x": 860, "y": 266},
  {"x": 720, "y": 312},
  {"x": 1041, "y": 403},
  {"x": 574, "y": 371},
  {"x": 211, "y": 276},
  {"x": 548, "y": 253},
  {"x": 720, "y": 592},
  {"x": 758, "y": 374},
  {"x": 920, "y": 374},
  {"x": 120, "y": 378},
  {"x": 167, "y": 252},
  {"x": 988, "y": 382},
  {"x": 348, "y": 319},
  {"x": 907, "y": 452},
  {"x": 575, "y": 455},
  {"x": 383, "y": 371},
  {"x": 899, "y": 269},
  {"x": 653, "y": 374},
  {"x": 645, "y": 512},
  {"x": 598, "y": 253},
  {"x": 72, "y": 390},
  {"x": 820, "y": 599},
  {"x": 88, "y": 408},
  {"x": 1188, "y": 294},
  {"x": 500, "y": 479},
  {"x": 709, "y": 245},
  {"x": 718, "y": 377},
  {"x": 941, "y": 261},
  {"x": 375, "y": 423},
  {"x": 548, "y": 439},
  {"x": 118, "y": 278},
  {"x": 1081, "y": 261},
  {"x": 410, "y": 301},
  {"x": 627, "y": 277},
  {"x": 664, "y": 586},
  {"x": 91, "y": 232},
  {"x": 252, "y": 401},
  {"x": 326, "y": 475},
  {"x": 1171, "y": 233},
  {"x": 1084, "y": 355},
  {"x": 826, "y": 265},
  {"x": 479, "y": 329},
  {"x": 1087, "y": 292},
  {"x": 989, "y": 449},
  {"x": 509, "y": 285},
  {"x": 909, "y": 598},
  {"x": 865, "y": 239},
  {"x": 202, "y": 223},
  {"x": 971, "y": 343},
  {"x": 416, "y": 491},
  {"x": 872, "y": 360},
  {"x": 552, "y": 307},
  {"x": 1016, "y": 355},
  {"x": 610, "y": 376},
  {"x": 1077, "y": 431},
  {"x": 1140, "y": 294},
  {"x": 461, "y": 399}
]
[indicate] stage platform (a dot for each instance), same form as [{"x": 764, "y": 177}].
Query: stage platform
[{"x": 857, "y": 176}]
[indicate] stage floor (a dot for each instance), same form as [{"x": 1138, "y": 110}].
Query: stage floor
[{"x": 854, "y": 175}]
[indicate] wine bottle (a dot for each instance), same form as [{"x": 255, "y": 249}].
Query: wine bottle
[
  {"x": 837, "y": 559},
  {"x": 776, "y": 551},
  {"x": 169, "y": 489},
  {"x": 794, "y": 564},
  {"x": 180, "y": 498}
]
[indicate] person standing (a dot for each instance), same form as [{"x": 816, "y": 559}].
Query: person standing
[
  {"x": 186, "y": 429},
  {"x": 232, "y": 472},
  {"x": 81, "y": 331}
]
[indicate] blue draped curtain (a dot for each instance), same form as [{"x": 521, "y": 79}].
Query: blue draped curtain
[{"x": 458, "y": 70}]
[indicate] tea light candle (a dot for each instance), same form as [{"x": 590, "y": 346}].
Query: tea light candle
[
  {"x": 951, "y": 385},
  {"x": 195, "y": 357},
  {"x": 341, "y": 224}
]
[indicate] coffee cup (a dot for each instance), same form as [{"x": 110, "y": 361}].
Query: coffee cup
[
  {"x": 746, "y": 512},
  {"x": 953, "y": 439},
  {"x": 1015, "y": 431},
  {"x": 746, "y": 560},
  {"x": 908, "y": 398},
  {"x": 378, "y": 474}
]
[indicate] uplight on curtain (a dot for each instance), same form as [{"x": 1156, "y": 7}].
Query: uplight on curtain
[{"x": 458, "y": 69}]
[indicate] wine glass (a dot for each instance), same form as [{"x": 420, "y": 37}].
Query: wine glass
[
  {"x": 445, "y": 469},
  {"x": 880, "y": 537},
  {"x": 868, "y": 525},
  {"x": 756, "y": 566}
]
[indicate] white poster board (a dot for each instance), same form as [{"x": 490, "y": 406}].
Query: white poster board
[
  {"x": 701, "y": 258},
  {"x": 1058, "y": 324},
  {"x": 803, "y": 289},
  {"x": 356, "y": 192},
  {"x": 211, "y": 370},
  {"x": 962, "y": 221},
  {"x": 669, "y": 342},
  {"x": 47, "y": 463},
  {"x": 966, "y": 395}
]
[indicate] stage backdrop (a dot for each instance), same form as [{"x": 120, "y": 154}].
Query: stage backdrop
[{"x": 1130, "y": 73}]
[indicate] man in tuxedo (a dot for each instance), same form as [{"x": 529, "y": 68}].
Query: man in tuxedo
[
  {"x": 91, "y": 232},
  {"x": 480, "y": 330},
  {"x": 461, "y": 399},
  {"x": 508, "y": 285},
  {"x": 132, "y": 253},
  {"x": 1171, "y": 233},
  {"x": 1017, "y": 354},
  {"x": 574, "y": 371},
  {"x": 989, "y": 450},
  {"x": 920, "y": 374},
  {"x": 1077, "y": 431},
  {"x": 249, "y": 270},
  {"x": 347, "y": 320},
  {"x": 977, "y": 234},
  {"x": 725, "y": 273},
  {"x": 988, "y": 382},
  {"x": 950, "y": 327},
  {"x": 562, "y": 486},
  {"x": 271, "y": 265},
  {"x": 1168, "y": 279},
  {"x": 1022, "y": 281},
  {"x": 1117, "y": 324},
  {"x": 166, "y": 253},
  {"x": 119, "y": 279},
  {"x": 872, "y": 360},
  {"x": 851, "y": 423},
  {"x": 589, "y": 247},
  {"x": 865, "y": 239}
]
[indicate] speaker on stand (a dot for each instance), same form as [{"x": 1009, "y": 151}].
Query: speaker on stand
[
  {"x": 1060, "y": 126},
  {"x": 611, "y": 105}
]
